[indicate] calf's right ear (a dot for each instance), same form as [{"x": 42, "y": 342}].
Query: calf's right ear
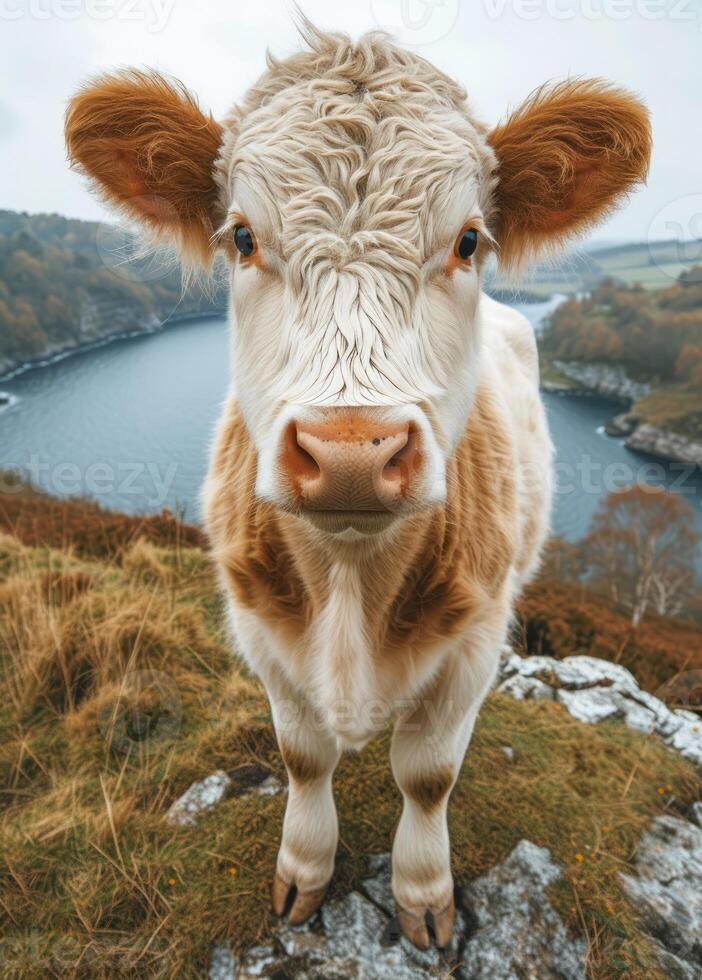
[{"x": 150, "y": 151}]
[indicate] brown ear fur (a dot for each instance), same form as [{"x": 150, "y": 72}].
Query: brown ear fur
[
  {"x": 150, "y": 151},
  {"x": 565, "y": 157}
]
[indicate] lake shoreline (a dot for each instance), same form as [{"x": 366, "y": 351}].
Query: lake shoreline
[
  {"x": 69, "y": 350},
  {"x": 584, "y": 380},
  {"x": 131, "y": 426},
  {"x": 9, "y": 369}
]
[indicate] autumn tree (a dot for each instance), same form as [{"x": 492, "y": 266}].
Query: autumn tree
[
  {"x": 641, "y": 548},
  {"x": 688, "y": 366},
  {"x": 562, "y": 561}
]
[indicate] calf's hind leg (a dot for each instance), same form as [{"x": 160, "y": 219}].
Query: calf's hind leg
[
  {"x": 310, "y": 828},
  {"x": 428, "y": 746}
]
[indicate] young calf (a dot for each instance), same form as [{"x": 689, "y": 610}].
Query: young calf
[{"x": 379, "y": 489}]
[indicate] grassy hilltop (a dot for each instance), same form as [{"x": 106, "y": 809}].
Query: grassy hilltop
[{"x": 93, "y": 881}]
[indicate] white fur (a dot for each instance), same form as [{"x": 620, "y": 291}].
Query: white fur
[{"x": 342, "y": 680}]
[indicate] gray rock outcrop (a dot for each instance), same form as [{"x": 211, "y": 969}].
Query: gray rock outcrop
[
  {"x": 608, "y": 380},
  {"x": 507, "y": 930},
  {"x": 204, "y": 794},
  {"x": 612, "y": 381},
  {"x": 665, "y": 445},
  {"x": 593, "y": 690},
  {"x": 506, "y": 927},
  {"x": 667, "y": 892},
  {"x": 198, "y": 799}
]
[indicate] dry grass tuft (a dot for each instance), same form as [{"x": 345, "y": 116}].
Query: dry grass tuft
[{"x": 37, "y": 519}]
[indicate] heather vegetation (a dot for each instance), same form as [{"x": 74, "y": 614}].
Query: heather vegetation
[
  {"x": 564, "y": 619},
  {"x": 83, "y": 526},
  {"x": 118, "y": 691}
]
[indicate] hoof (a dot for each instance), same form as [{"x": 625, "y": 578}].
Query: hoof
[
  {"x": 443, "y": 922},
  {"x": 415, "y": 925},
  {"x": 298, "y": 906}
]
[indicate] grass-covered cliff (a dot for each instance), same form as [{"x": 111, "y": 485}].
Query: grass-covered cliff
[{"x": 117, "y": 691}]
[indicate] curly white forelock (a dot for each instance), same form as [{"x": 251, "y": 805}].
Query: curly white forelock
[{"x": 360, "y": 161}]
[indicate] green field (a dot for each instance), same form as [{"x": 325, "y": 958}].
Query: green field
[{"x": 653, "y": 265}]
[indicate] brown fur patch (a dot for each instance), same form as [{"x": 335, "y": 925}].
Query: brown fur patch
[
  {"x": 465, "y": 549},
  {"x": 443, "y": 569},
  {"x": 564, "y": 158},
  {"x": 248, "y": 541},
  {"x": 151, "y": 151},
  {"x": 429, "y": 789},
  {"x": 303, "y": 768}
]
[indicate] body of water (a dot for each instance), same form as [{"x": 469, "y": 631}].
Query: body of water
[{"x": 129, "y": 424}]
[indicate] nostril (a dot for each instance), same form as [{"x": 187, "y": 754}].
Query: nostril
[
  {"x": 297, "y": 460},
  {"x": 307, "y": 460},
  {"x": 399, "y": 467},
  {"x": 393, "y": 466}
]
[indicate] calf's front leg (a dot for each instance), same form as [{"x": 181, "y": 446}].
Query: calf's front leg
[
  {"x": 428, "y": 745},
  {"x": 310, "y": 827}
]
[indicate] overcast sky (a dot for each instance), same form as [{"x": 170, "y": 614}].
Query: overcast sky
[{"x": 499, "y": 49}]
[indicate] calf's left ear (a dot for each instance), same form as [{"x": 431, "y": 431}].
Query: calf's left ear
[
  {"x": 566, "y": 158},
  {"x": 151, "y": 152}
]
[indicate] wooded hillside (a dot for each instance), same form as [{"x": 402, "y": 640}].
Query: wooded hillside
[
  {"x": 656, "y": 335},
  {"x": 62, "y": 284}
]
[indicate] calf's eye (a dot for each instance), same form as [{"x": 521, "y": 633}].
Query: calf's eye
[
  {"x": 466, "y": 243},
  {"x": 244, "y": 240}
]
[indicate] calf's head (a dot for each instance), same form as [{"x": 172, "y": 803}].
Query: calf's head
[{"x": 356, "y": 199}]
